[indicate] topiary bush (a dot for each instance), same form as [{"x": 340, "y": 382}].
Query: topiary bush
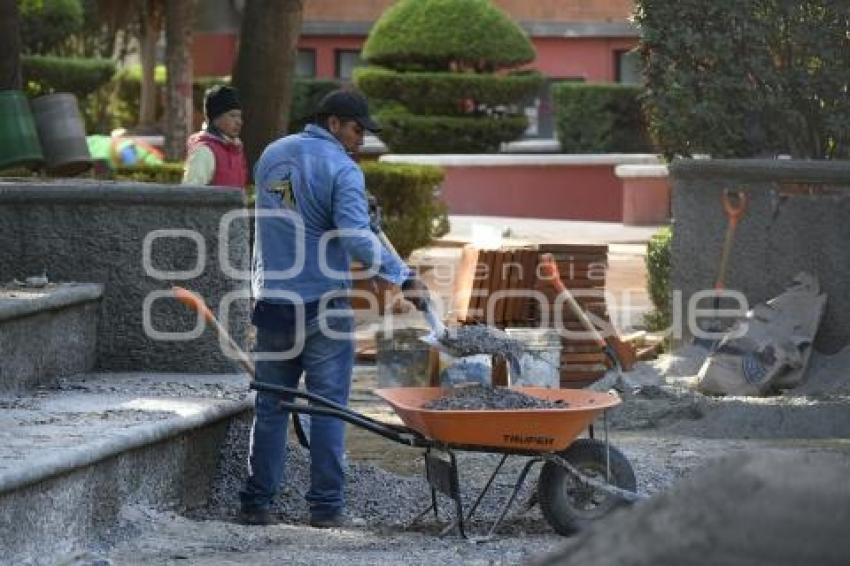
[
  {"x": 439, "y": 68},
  {"x": 435, "y": 34},
  {"x": 735, "y": 78},
  {"x": 412, "y": 215},
  {"x": 658, "y": 279},
  {"x": 46, "y": 24},
  {"x": 306, "y": 94},
  {"x": 404, "y": 132},
  {"x": 445, "y": 93},
  {"x": 600, "y": 118},
  {"x": 79, "y": 76}
]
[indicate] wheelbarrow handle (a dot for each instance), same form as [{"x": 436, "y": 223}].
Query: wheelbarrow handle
[
  {"x": 402, "y": 435},
  {"x": 322, "y": 402}
]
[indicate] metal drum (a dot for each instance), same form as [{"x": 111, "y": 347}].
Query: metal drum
[
  {"x": 19, "y": 146},
  {"x": 403, "y": 360},
  {"x": 62, "y": 134}
]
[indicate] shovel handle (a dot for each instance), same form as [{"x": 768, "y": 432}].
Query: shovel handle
[
  {"x": 549, "y": 272},
  {"x": 197, "y": 304}
]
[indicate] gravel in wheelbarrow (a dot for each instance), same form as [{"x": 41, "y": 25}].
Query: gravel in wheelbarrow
[{"x": 479, "y": 397}]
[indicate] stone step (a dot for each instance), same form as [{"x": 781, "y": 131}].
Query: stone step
[
  {"x": 46, "y": 332},
  {"x": 72, "y": 454}
]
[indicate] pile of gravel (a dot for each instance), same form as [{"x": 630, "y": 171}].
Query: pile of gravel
[
  {"x": 383, "y": 499},
  {"x": 478, "y": 397}
]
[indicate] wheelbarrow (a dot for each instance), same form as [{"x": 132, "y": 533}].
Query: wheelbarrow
[{"x": 581, "y": 479}]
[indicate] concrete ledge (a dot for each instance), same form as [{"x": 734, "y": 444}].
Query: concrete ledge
[
  {"x": 536, "y": 160},
  {"x": 72, "y": 458},
  {"x": 624, "y": 171},
  {"x": 27, "y": 301},
  {"x": 792, "y": 170},
  {"x": 84, "y": 191}
]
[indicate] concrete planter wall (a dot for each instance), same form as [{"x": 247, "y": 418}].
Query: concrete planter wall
[
  {"x": 95, "y": 231},
  {"x": 797, "y": 218},
  {"x": 47, "y": 333},
  {"x": 646, "y": 194},
  {"x": 562, "y": 186}
]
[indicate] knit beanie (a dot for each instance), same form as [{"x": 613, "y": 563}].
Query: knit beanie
[{"x": 219, "y": 99}]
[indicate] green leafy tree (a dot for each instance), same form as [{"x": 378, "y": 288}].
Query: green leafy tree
[
  {"x": 743, "y": 78},
  {"x": 46, "y": 24},
  {"x": 440, "y": 76}
]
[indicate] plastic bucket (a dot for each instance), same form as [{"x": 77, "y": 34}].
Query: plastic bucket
[
  {"x": 19, "y": 146},
  {"x": 403, "y": 360},
  {"x": 541, "y": 363},
  {"x": 62, "y": 134}
]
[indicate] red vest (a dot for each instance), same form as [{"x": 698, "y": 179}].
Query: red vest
[{"x": 230, "y": 168}]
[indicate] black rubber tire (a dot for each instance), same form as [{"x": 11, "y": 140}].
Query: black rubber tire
[{"x": 568, "y": 506}]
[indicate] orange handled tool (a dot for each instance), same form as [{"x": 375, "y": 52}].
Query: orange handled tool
[
  {"x": 734, "y": 209},
  {"x": 621, "y": 354},
  {"x": 197, "y": 304}
]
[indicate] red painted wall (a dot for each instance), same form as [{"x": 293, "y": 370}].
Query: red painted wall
[
  {"x": 213, "y": 54},
  {"x": 586, "y": 192},
  {"x": 592, "y": 59}
]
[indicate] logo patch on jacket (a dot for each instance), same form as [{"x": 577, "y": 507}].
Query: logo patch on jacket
[{"x": 284, "y": 189}]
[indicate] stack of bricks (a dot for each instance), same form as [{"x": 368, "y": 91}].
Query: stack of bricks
[{"x": 503, "y": 288}]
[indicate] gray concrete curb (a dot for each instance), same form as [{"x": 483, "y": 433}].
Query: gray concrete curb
[
  {"x": 136, "y": 437},
  {"x": 65, "y": 295}
]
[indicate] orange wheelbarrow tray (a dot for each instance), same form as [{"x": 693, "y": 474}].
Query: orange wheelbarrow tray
[{"x": 580, "y": 479}]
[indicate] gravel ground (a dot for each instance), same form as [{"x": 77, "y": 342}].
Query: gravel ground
[
  {"x": 666, "y": 431},
  {"x": 479, "y": 397}
]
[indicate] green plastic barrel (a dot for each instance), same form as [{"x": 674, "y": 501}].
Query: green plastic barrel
[
  {"x": 62, "y": 134},
  {"x": 19, "y": 146}
]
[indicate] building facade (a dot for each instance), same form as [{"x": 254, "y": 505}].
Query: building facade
[{"x": 576, "y": 40}]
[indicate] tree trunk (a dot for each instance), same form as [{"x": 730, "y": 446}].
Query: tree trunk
[
  {"x": 10, "y": 46},
  {"x": 178, "y": 86},
  {"x": 151, "y": 28},
  {"x": 265, "y": 70}
]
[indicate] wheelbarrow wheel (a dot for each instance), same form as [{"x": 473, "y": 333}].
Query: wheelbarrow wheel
[{"x": 566, "y": 503}]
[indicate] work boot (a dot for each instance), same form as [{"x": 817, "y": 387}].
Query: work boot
[
  {"x": 340, "y": 520},
  {"x": 255, "y": 516}
]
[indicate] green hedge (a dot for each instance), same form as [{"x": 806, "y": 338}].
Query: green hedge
[
  {"x": 658, "y": 279},
  {"x": 82, "y": 77},
  {"x": 736, "y": 78},
  {"x": 444, "y": 93},
  {"x": 412, "y": 216},
  {"x": 165, "y": 174},
  {"x": 47, "y": 24},
  {"x": 306, "y": 95},
  {"x": 600, "y": 118},
  {"x": 411, "y": 133},
  {"x": 432, "y": 34}
]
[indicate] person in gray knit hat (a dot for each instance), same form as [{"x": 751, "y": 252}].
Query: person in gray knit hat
[{"x": 215, "y": 154}]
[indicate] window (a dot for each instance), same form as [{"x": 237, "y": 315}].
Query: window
[
  {"x": 628, "y": 67},
  {"x": 305, "y": 63},
  {"x": 540, "y": 110},
  {"x": 346, "y": 61}
]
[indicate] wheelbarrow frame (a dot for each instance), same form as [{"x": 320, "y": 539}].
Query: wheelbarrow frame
[{"x": 441, "y": 467}]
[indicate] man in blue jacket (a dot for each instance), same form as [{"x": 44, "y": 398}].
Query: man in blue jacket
[{"x": 311, "y": 217}]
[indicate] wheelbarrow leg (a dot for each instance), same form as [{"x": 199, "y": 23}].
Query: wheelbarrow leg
[
  {"x": 486, "y": 488},
  {"x": 519, "y": 482}
]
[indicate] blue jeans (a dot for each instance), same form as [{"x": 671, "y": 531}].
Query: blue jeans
[{"x": 327, "y": 364}]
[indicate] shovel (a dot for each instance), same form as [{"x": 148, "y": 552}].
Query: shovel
[
  {"x": 197, "y": 304},
  {"x": 617, "y": 352}
]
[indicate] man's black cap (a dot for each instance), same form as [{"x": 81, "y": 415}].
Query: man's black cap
[{"x": 351, "y": 104}]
